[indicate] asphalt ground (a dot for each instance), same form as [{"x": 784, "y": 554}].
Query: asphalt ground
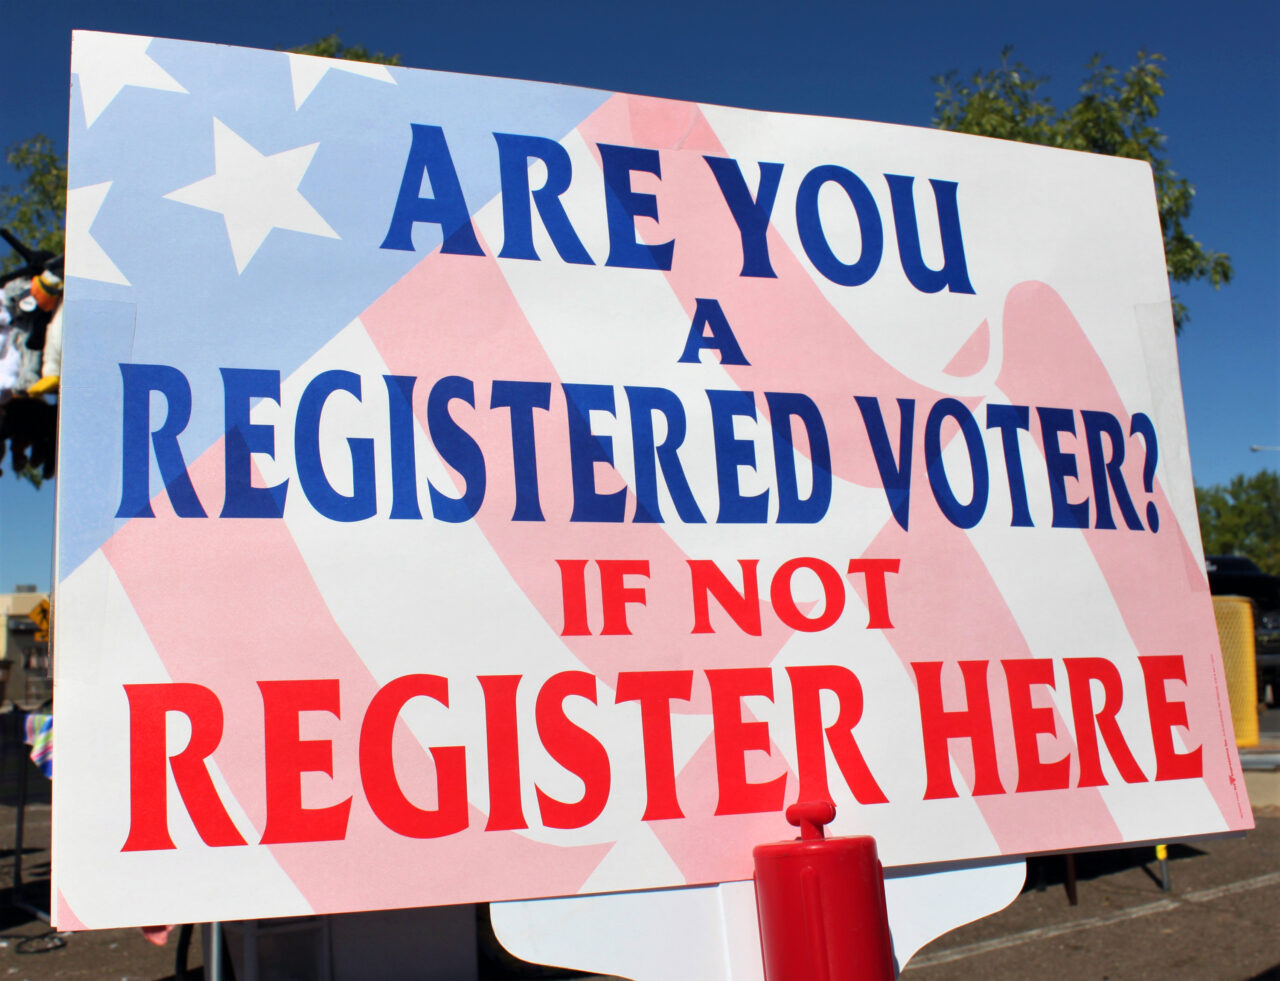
[{"x": 1219, "y": 922}]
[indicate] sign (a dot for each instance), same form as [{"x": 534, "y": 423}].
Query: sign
[{"x": 478, "y": 489}]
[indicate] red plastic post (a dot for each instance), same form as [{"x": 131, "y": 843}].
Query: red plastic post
[{"x": 821, "y": 904}]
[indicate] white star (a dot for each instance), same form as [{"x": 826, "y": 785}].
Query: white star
[
  {"x": 85, "y": 257},
  {"x": 106, "y": 63},
  {"x": 254, "y": 193},
  {"x": 307, "y": 70}
]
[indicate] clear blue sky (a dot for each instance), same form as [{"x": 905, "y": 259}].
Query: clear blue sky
[{"x": 1221, "y": 114}]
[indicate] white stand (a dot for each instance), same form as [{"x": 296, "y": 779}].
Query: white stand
[{"x": 710, "y": 933}]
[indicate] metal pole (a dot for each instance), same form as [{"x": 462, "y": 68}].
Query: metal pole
[
  {"x": 213, "y": 956},
  {"x": 1162, "y": 856},
  {"x": 19, "y": 892},
  {"x": 20, "y": 821}
]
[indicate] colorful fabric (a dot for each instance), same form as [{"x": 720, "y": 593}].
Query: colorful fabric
[{"x": 38, "y": 734}]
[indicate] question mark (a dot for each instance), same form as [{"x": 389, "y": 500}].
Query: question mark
[{"x": 1141, "y": 423}]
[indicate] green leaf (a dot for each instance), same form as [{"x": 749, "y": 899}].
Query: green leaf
[
  {"x": 332, "y": 47},
  {"x": 1242, "y": 517},
  {"x": 34, "y": 211},
  {"x": 1113, "y": 115}
]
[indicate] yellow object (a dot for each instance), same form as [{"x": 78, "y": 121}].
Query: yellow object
[
  {"x": 1162, "y": 853},
  {"x": 40, "y": 614},
  {"x": 1235, "y": 631},
  {"x": 45, "y": 386},
  {"x": 47, "y": 289}
]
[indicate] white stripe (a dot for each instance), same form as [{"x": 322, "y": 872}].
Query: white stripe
[
  {"x": 1057, "y": 930},
  {"x": 1259, "y": 882}
]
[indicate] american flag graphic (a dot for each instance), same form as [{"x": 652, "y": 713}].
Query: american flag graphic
[{"x": 227, "y": 211}]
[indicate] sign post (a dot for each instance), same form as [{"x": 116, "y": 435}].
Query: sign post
[{"x": 479, "y": 490}]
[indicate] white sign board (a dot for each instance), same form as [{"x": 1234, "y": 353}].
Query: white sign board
[{"x": 477, "y": 489}]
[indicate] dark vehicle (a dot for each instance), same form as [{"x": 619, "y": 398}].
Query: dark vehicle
[{"x": 1235, "y": 575}]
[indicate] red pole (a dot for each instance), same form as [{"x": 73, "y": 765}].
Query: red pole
[{"x": 821, "y": 904}]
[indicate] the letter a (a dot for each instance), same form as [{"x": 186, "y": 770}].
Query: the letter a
[
  {"x": 708, "y": 314},
  {"x": 429, "y": 156}
]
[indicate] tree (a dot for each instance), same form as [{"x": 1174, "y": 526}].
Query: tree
[
  {"x": 1243, "y": 518},
  {"x": 1115, "y": 115},
  {"x": 34, "y": 211},
  {"x": 332, "y": 47}
]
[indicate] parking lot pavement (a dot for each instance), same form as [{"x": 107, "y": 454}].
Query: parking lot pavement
[{"x": 1221, "y": 921}]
